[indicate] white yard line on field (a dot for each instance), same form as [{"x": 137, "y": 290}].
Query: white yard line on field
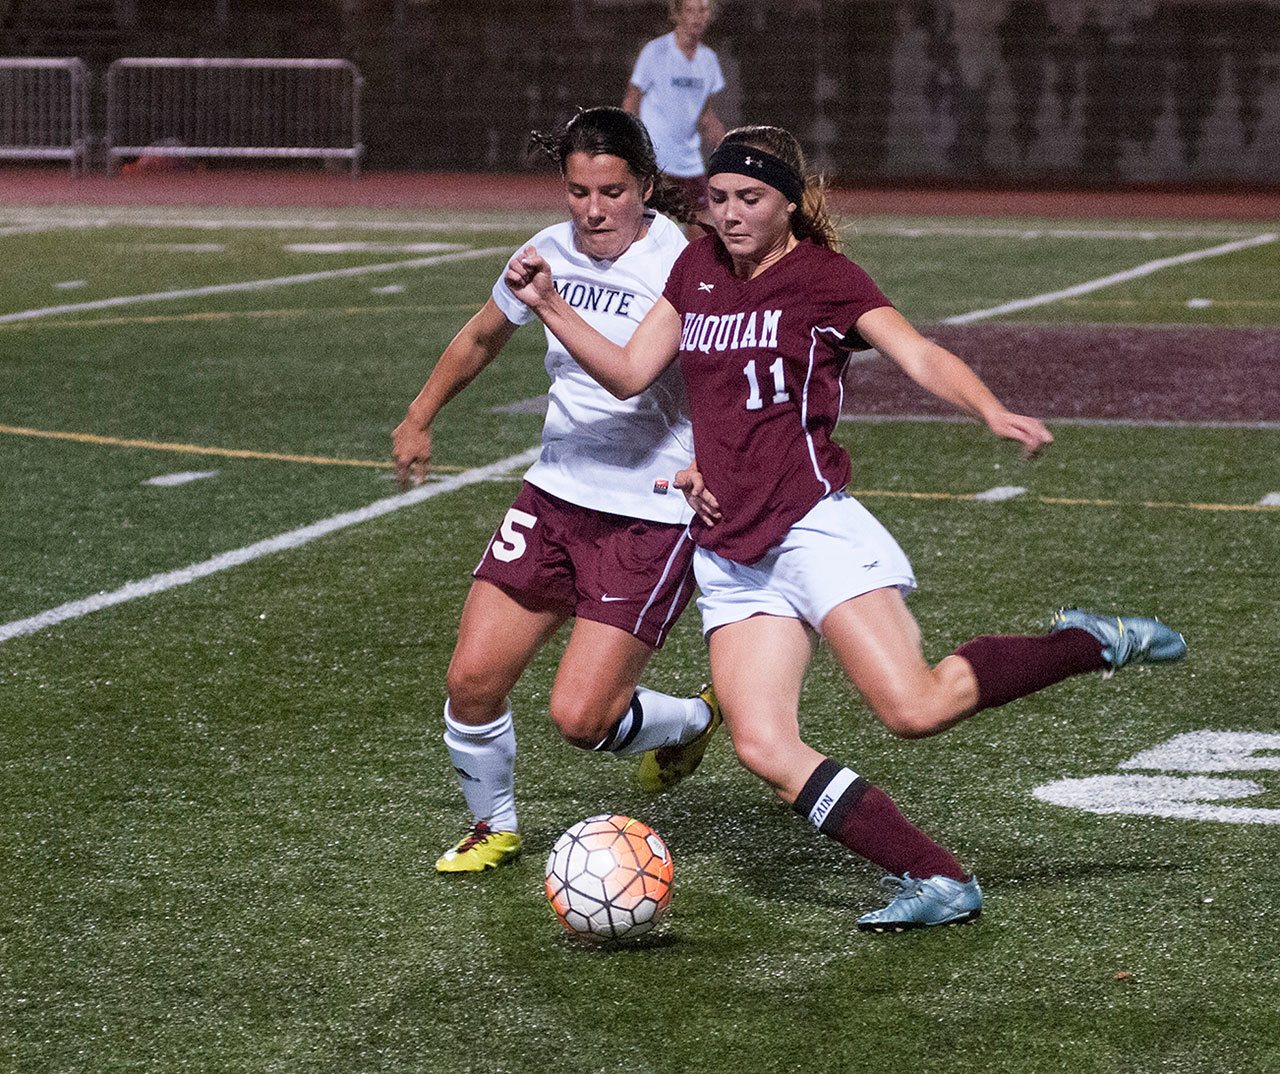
[
  {"x": 182, "y": 477},
  {"x": 1000, "y": 493},
  {"x": 184, "y": 247},
  {"x": 947, "y": 231},
  {"x": 1134, "y": 273},
  {"x": 17, "y": 220},
  {"x": 26, "y": 229},
  {"x": 25, "y": 222},
  {"x": 158, "y": 583},
  {"x": 251, "y": 285},
  {"x": 371, "y": 247}
]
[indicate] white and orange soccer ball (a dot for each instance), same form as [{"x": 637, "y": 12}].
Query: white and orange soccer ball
[{"x": 610, "y": 878}]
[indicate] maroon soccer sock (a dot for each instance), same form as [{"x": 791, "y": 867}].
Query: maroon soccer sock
[
  {"x": 860, "y": 816},
  {"x": 1009, "y": 666}
]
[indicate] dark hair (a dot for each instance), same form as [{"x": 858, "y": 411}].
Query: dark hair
[
  {"x": 608, "y": 130},
  {"x": 812, "y": 219}
]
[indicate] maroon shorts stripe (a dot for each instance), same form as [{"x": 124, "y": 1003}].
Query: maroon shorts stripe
[{"x": 681, "y": 559}]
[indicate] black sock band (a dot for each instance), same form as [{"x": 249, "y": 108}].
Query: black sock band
[
  {"x": 633, "y": 719},
  {"x": 814, "y": 786},
  {"x": 829, "y": 794}
]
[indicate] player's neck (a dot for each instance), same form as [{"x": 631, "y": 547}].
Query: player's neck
[
  {"x": 687, "y": 42},
  {"x": 749, "y": 269}
]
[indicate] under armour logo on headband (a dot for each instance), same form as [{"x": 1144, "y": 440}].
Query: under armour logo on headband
[{"x": 734, "y": 157}]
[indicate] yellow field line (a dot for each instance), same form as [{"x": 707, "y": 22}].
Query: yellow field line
[
  {"x": 382, "y": 464},
  {"x": 897, "y": 495},
  {"x": 199, "y": 449},
  {"x": 1067, "y": 501},
  {"x": 1159, "y": 504},
  {"x": 228, "y": 315}
]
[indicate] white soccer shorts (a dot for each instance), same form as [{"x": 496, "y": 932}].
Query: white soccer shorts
[{"x": 837, "y": 551}]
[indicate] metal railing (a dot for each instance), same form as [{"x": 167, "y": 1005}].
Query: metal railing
[
  {"x": 43, "y": 107},
  {"x": 206, "y": 108}
]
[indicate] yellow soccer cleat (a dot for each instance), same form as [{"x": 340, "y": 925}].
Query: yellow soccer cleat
[
  {"x": 663, "y": 768},
  {"x": 480, "y": 849}
]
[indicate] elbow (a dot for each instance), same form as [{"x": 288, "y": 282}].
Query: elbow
[
  {"x": 624, "y": 389},
  {"x": 620, "y": 381}
]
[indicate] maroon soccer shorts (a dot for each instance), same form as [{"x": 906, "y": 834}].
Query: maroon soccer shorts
[{"x": 626, "y": 572}]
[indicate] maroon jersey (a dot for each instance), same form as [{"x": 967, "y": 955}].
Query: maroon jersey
[{"x": 762, "y": 361}]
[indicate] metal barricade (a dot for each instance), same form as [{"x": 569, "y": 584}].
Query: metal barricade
[
  {"x": 211, "y": 108},
  {"x": 43, "y": 107}
]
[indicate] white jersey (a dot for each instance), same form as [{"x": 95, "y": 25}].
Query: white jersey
[
  {"x": 614, "y": 455},
  {"x": 675, "y": 91}
]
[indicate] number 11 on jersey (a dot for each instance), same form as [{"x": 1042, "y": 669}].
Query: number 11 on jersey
[{"x": 780, "y": 394}]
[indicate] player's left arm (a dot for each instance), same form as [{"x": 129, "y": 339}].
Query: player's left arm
[
  {"x": 941, "y": 373},
  {"x": 710, "y": 125}
]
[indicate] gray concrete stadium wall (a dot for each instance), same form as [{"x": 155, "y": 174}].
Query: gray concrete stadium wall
[
  {"x": 1097, "y": 92},
  {"x": 933, "y": 90}
]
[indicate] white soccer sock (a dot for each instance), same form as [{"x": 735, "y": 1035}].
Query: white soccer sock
[
  {"x": 484, "y": 758},
  {"x": 655, "y": 720}
]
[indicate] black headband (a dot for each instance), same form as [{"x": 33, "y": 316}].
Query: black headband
[{"x": 748, "y": 160}]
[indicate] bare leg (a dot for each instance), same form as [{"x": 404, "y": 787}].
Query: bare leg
[
  {"x": 596, "y": 680},
  {"x": 497, "y": 639},
  {"x": 877, "y": 641},
  {"x": 758, "y": 667},
  {"x": 597, "y": 703}
]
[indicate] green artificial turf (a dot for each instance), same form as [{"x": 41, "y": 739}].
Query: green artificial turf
[{"x": 220, "y": 805}]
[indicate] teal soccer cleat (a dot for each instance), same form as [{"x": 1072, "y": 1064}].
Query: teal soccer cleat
[
  {"x": 1126, "y": 639},
  {"x": 919, "y": 904}
]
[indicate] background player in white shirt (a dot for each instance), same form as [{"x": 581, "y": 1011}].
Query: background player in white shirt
[
  {"x": 672, "y": 88},
  {"x": 597, "y": 533}
]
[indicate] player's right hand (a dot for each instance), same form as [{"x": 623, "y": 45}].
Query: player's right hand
[
  {"x": 411, "y": 453},
  {"x": 1031, "y": 433},
  {"x": 529, "y": 277},
  {"x": 689, "y": 481}
]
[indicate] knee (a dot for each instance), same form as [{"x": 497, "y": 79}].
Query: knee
[
  {"x": 909, "y": 728},
  {"x": 763, "y": 751},
  {"x": 584, "y": 721},
  {"x": 907, "y": 715},
  {"x": 474, "y": 695}
]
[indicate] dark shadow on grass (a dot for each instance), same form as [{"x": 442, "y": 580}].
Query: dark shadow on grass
[
  {"x": 653, "y": 941},
  {"x": 758, "y": 845}
]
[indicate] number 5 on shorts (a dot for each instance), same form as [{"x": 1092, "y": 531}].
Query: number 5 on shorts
[{"x": 512, "y": 544}]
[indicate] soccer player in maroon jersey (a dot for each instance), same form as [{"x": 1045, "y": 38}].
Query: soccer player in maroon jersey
[{"x": 762, "y": 316}]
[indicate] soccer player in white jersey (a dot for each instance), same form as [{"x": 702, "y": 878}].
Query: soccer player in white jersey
[
  {"x": 760, "y": 318},
  {"x": 598, "y": 532},
  {"x": 673, "y": 88}
]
